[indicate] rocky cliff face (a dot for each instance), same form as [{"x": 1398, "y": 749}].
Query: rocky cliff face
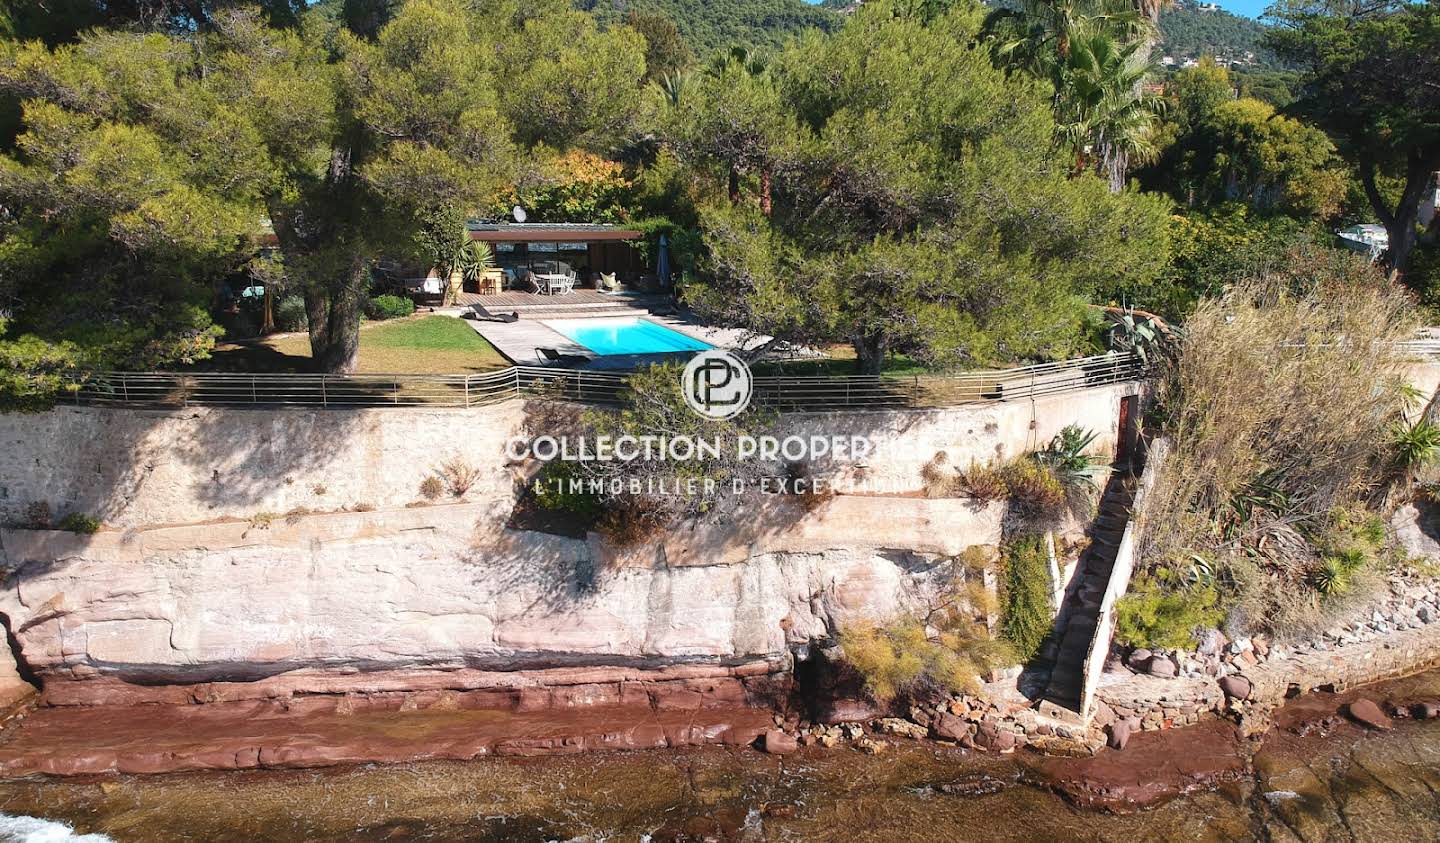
[{"x": 433, "y": 598}]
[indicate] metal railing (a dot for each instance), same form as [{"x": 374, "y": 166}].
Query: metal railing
[{"x": 779, "y": 392}]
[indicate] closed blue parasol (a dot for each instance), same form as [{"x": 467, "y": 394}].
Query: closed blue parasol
[{"x": 662, "y": 262}]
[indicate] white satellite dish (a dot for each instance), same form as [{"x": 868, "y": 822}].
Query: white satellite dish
[{"x": 518, "y": 213}]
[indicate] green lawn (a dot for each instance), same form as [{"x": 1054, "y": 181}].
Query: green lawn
[{"x": 420, "y": 345}]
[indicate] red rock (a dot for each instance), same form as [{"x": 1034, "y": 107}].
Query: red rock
[
  {"x": 673, "y": 698},
  {"x": 1162, "y": 667},
  {"x": 1235, "y": 686},
  {"x": 849, "y": 711},
  {"x": 1119, "y": 733},
  {"x": 778, "y": 743},
  {"x": 992, "y": 737},
  {"x": 951, "y": 728},
  {"x": 1367, "y": 713},
  {"x": 1156, "y": 767},
  {"x": 225, "y": 736}
]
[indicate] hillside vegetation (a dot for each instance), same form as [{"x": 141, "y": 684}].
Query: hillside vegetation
[
  {"x": 1190, "y": 32},
  {"x": 720, "y": 24}
]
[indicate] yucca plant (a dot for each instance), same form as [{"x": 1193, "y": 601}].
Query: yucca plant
[{"x": 1416, "y": 445}]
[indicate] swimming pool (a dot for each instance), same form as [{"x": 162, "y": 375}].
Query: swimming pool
[{"x": 625, "y": 335}]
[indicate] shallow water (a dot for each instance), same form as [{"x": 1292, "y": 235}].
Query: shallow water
[{"x": 1320, "y": 779}]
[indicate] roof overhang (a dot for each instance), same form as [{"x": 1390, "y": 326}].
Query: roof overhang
[{"x": 518, "y": 233}]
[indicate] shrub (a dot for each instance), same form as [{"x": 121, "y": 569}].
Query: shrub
[
  {"x": 37, "y": 515},
  {"x": 458, "y": 476},
  {"x": 1034, "y": 487},
  {"x": 1158, "y": 614},
  {"x": 77, "y": 522},
  {"x": 1270, "y": 427},
  {"x": 389, "y": 307},
  {"x": 900, "y": 657},
  {"x": 555, "y": 490},
  {"x": 290, "y": 314},
  {"x": 431, "y": 488},
  {"x": 1027, "y": 617},
  {"x": 33, "y": 372},
  {"x": 1350, "y": 540},
  {"x": 982, "y": 482},
  {"x": 934, "y": 479}
]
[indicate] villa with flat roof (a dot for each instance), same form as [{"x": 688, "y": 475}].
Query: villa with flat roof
[{"x": 584, "y": 250}]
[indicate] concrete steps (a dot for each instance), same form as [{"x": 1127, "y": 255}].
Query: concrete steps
[{"x": 1082, "y": 604}]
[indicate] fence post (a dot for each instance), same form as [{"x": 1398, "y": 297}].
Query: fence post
[
  {"x": 395, "y": 396},
  {"x": 125, "y": 387},
  {"x": 254, "y": 392},
  {"x": 324, "y": 396},
  {"x": 467, "y": 392}
]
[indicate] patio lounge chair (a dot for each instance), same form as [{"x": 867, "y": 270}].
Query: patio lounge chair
[
  {"x": 609, "y": 283},
  {"x": 554, "y": 355}
]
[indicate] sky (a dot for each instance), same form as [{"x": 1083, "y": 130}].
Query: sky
[{"x": 1247, "y": 8}]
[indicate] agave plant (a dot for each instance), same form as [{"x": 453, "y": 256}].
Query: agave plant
[
  {"x": 1065, "y": 455},
  {"x": 1139, "y": 333}
]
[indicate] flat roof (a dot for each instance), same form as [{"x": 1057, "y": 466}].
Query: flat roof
[{"x": 548, "y": 232}]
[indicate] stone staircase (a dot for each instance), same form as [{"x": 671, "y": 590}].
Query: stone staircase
[{"x": 1080, "y": 612}]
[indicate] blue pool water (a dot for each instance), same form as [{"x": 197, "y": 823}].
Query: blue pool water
[{"x": 626, "y": 335}]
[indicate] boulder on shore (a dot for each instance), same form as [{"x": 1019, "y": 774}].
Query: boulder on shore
[
  {"x": 1119, "y": 734},
  {"x": 777, "y": 742},
  {"x": 1367, "y": 713},
  {"x": 951, "y": 728},
  {"x": 1163, "y": 667},
  {"x": 1235, "y": 686}
]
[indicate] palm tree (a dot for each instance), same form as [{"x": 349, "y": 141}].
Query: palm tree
[
  {"x": 473, "y": 259},
  {"x": 1103, "y": 114},
  {"x": 470, "y": 259},
  {"x": 1038, "y": 36}
]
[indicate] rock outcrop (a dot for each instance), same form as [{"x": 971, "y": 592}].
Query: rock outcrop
[{"x": 427, "y": 599}]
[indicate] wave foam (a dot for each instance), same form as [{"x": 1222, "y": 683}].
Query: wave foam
[{"x": 35, "y": 830}]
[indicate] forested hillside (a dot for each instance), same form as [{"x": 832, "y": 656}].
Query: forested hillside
[
  {"x": 719, "y": 24},
  {"x": 1191, "y": 32}
]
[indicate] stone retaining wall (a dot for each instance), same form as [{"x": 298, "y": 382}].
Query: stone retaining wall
[{"x": 135, "y": 468}]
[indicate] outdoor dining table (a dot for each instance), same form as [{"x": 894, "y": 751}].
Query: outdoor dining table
[{"x": 551, "y": 282}]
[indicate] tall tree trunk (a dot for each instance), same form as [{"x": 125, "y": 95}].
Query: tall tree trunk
[
  {"x": 870, "y": 348},
  {"x": 1400, "y": 223},
  {"x": 766, "y": 203},
  {"x": 334, "y": 315},
  {"x": 734, "y": 185},
  {"x": 1113, "y": 164},
  {"x": 267, "y": 310}
]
